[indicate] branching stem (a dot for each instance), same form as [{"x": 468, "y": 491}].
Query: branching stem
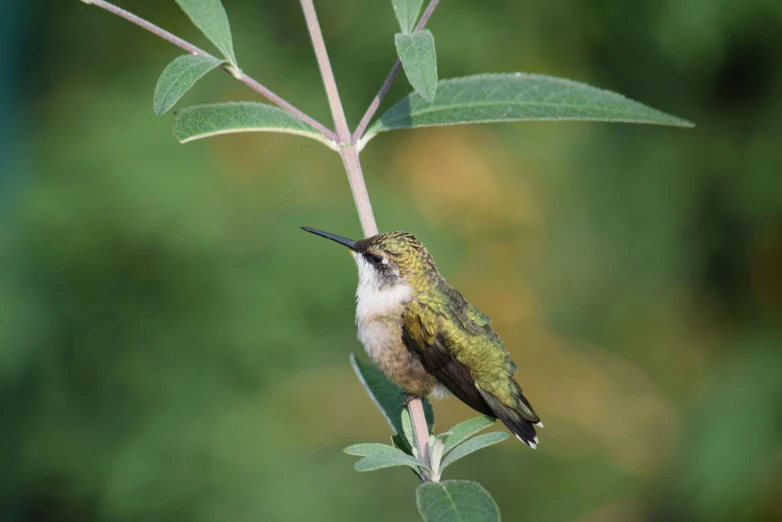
[
  {"x": 239, "y": 75},
  {"x": 378, "y": 99},
  {"x": 350, "y": 159}
]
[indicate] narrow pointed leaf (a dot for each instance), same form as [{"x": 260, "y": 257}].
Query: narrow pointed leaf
[
  {"x": 406, "y": 12},
  {"x": 178, "y": 77},
  {"x": 387, "y": 460},
  {"x": 407, "y": 427},
  {"x": 472, "y": 445},
  {"x": 388, "y": 397},
  {"x": 210, "y": 17},
  {"x": 437, "y": 454},
  {"x": 456, "y": 501},
  {"x": 419, "y": 60},
  {"x": 371, "y": 448},
  {"x": 487, "y": 98},
  {"x": 465, "y": 430},
  {"x": 202, "y": 121}
]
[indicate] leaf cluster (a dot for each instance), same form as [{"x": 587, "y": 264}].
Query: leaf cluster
[
  {"x": 436, "y": 500},
  {"x": 445, "y": 448},
  {"x": 479, "y": 98}
]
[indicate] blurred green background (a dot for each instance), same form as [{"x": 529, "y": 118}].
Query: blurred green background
[{"x": 174, "y": 348}]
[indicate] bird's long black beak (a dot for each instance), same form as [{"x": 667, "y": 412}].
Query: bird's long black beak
[{"x": 339, "y": 239}]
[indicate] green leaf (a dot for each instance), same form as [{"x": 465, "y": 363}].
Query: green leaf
[
  {"x": 178, "y": 77},
  {"x": 370, "y": 448},
  {"x": 437, "y": 456},
  {"x": 388, "y": 397},
  {"x": 472, "y": 445},
  {"x": 419, "y": 60},
  {"x": 406, "y": 12},
  {"x": 465, "y": 430},
  {"x": 209, "y": 16},
  {"x": 388, "y": 460},
  {"x": 400, "y": 442},
  {"x": 202, "y": 121},
  {"x": 456, "y": 501},
  {"x": 516, "y": 97},
  {"x": 407, "y": 427}
]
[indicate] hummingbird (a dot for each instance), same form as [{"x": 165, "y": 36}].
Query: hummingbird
[{"x": 428, "y": 339}]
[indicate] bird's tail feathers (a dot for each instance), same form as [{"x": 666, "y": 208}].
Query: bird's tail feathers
[{"x": 521, "y": 420}]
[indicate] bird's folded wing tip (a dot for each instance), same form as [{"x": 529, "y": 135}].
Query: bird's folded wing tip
[{"x": 531, "y": 443}]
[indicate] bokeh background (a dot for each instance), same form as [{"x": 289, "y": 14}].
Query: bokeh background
[{"x": 174, "y": 348}]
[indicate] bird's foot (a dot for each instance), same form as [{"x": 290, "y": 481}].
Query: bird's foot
[{"x": 408, "y": 399}]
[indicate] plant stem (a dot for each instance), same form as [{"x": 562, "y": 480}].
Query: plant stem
[
  {"x": 347, "y": 150},
  {"x": 324, "y": 64},
  {"x": 358, "y": 187},
  {"x": 352, "y": 164},
  {"x": 421, "y": 431},
  {"x": 375, "y": 105},
  {"x": 239, "y": 75}
]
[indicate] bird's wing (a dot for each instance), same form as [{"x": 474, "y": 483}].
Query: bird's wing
[
  {"x": 421, "y": 333},
  {"x": 455, "y": 343}
]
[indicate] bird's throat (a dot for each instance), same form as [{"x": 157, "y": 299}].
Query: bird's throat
[{"x": 374, "y": 303}]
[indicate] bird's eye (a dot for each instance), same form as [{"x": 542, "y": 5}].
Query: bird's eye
[{"x": 375, "y": 259}]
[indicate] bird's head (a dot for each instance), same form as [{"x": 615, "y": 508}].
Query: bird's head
[{"x": 386, "y": 260}]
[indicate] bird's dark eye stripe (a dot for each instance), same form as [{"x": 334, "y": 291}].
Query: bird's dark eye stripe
[{"x": 374, "y": 259}]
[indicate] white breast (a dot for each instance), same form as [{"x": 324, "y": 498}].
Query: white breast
[
  {"x": 373, "y": 300},
  {"x": 375, "y": 303},
  {"x": 378, "y": 310}
]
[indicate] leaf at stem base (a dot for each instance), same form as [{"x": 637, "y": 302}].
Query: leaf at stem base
[
  {"x": 388, "y": 460},
  {"x": 456, "y": 500},
  {"x": 464, "y": 430},
  {"x": 471, "y": 446},
  {"x": 389, "y": 399}
]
